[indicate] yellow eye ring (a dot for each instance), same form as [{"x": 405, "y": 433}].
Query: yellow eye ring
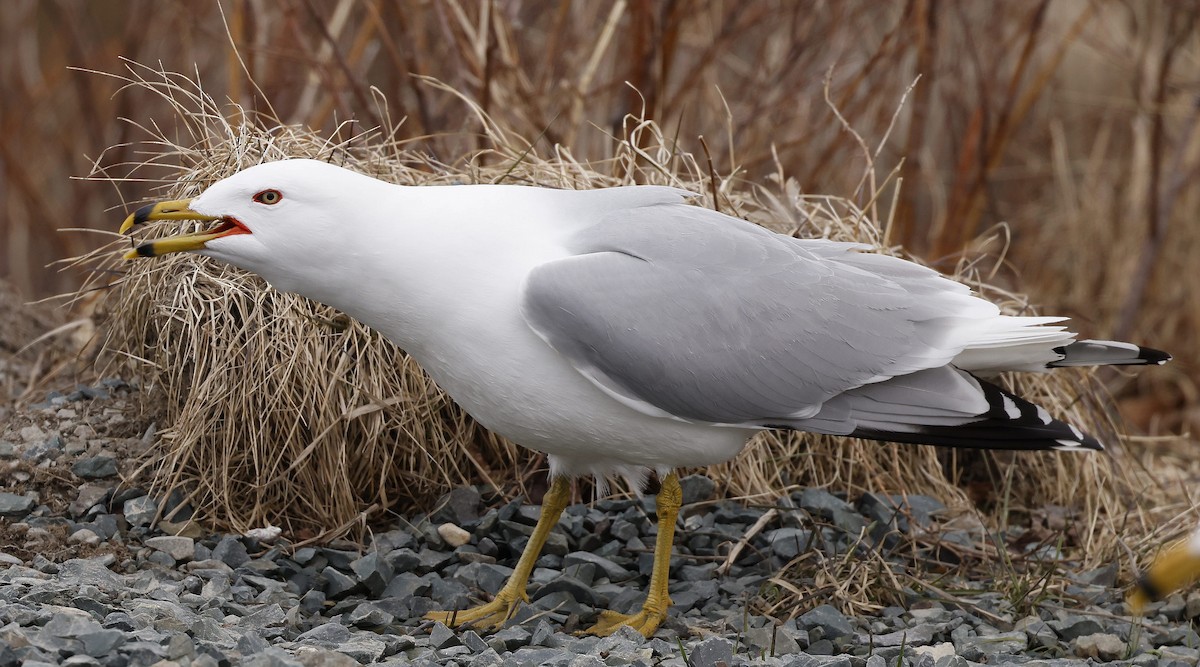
[{"x": 269, "y": 197}]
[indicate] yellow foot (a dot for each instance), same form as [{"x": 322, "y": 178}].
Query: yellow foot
[
  {"x": 490, "y": 616},
  {"x": 645, "y": 621}
]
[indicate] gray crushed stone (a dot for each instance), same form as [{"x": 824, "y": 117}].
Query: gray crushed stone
[{"x": 153, "y": 589}]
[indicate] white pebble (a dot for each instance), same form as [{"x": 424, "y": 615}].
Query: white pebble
[
  {"x": 32, "y": 434},
  {"x": 83, "y": 536},
  {"x": 453, "y": 535},
  {"x": 268, "y": 534}
]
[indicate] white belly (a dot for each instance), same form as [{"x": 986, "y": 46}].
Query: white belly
[{"x": 515, "y": 384}]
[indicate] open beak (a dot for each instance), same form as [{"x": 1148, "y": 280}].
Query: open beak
[
  {"x": 178, "y": 210},
  {"x": 1177, "y": 567}
]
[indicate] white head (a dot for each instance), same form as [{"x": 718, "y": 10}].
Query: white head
[{"x": 272, "y": 219}]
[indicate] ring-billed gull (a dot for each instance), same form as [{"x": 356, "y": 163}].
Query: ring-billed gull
[{"x": 622, "y": 330}]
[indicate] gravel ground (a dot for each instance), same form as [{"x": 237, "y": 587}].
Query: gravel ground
[{"x": 89, "y": 579}]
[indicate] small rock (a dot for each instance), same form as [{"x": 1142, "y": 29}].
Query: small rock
[
  {"x": 471, "y": 640},
  {"x": 824, "y": 504},
  {"x": 101, "y": 642},
  {"x": 1105, "y": 576},
  {"x": 787, "y": 543},
  {"x": 70, "y": 625},
  {"x": 459, "y": 506},
  {"x": 179, "y": 548},
  {"x": 231, "y": 551},
  {"x": 340, "y": 558},
  {"x": 32, "y": 433},
  {"x": 88, "y": 497},
  {"x": 96, "y": 467},
  {"x": 369, "y": 615},
  {"x": 1072, "y": 627},
  {"x": 449, "y": 594},
  {"x": 936, "y": 651},
  {"x": 265, "y": 535},
  {"x": 140, "y": 511},
  {"x": 486, "y": 658},
  {"x": 1038, "y": 632},
  {"x": 1184, "y": 654},
  {"x": 186, "y": 528},
  {"x": 373, "y": 571},
  {"x": 453, "y": 535},
  {"x": 918, "y": 635},
  {"x": 1173, "y": 607},
  {"x": 312, "y": 602},
  {"x": 1101, "y": 646},
  {"x": 337, "y": 584},
  {"x": 84, "y": 536},
  {"x": 441, "y": 637},
  {"x": 542, "y": 634},
  {"x": 265, "y": 616},
  {"x": 13, "y": 505},
  {"x": 92, "y": 572},
  {"x": 329, "y": 634},
  {"x": 974, "y": 648},
  {"x": 179, "y": 646},
  {"x": 578, "y": 591},
  {"x": 406, "y": 585},
  {"x": 832, "y": 622},
  {"x": 250, "y": 643},
  {"x": 615, "y": 573},
  {"x": 363, "y": 649},
  {"x": 510, "y": 638},
  {"x": 320, "y": 657},
  {"x": 712, "y": 652},
  {"x": 697, "y": 488}
]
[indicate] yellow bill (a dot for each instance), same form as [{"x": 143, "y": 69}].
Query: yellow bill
[{"x": 177, "y": 210}]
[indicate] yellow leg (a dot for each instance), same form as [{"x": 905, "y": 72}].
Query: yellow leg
[
  {"x": 654, "y": 610},
  {"x": 493, "y": 614}
]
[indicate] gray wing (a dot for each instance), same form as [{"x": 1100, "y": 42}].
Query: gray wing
[{"x": 679, "y": 310}]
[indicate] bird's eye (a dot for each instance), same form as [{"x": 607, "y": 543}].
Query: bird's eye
[{"x": 268, "y": 197}]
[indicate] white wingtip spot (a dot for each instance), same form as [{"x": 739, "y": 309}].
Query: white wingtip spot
[
  {"x": 1075, "y": 432},
  {"x": 1011, "y": 409},
  {"x": 1068, "y": 445},
  {"x": 1043, "y": 415}
]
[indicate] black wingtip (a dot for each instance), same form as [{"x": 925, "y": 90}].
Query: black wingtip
[
  {"x": 1150, "y": 355},
  {"x": 1107, "y": 353},
  {"x": 1009, "y": 423}
]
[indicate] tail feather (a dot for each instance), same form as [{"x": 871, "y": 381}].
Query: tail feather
[{"x": 1107, "y": 353}]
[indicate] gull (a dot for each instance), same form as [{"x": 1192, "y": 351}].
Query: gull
[{"x": 623, "y": 331}]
